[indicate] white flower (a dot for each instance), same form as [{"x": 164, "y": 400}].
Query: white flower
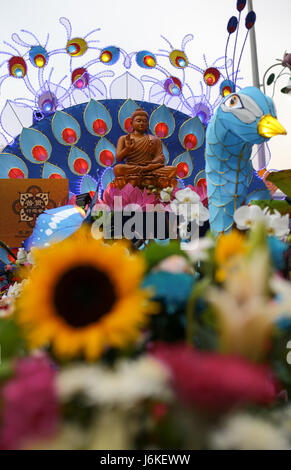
[
  {"x": 165, "y": 194},
  {"x": 282, "y": 288},
  {"x": 21, "y": 255},
  {"x": 278, "y": 225},
  {"x": 14, "y": 289},
  {"x": 246, "y": 217},
  {"x": 186, "y": 196},
  {"x": 246, "y": 432},
  {"x": 126, "y": 384},
  {"x": 187, "y": 204},
  {"x": 197, "y": 249}
]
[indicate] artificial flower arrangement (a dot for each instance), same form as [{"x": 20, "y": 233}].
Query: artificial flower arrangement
[{"x": 175, "y": 346}]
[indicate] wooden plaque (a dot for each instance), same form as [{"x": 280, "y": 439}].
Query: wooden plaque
[{"x": 22, "y": 200}]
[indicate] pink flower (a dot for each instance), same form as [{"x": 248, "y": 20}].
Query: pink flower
[
  {"x": 29, "y": 407},
  {"x": 215, "y": 382},
  {"x": 129, "y": 195}
]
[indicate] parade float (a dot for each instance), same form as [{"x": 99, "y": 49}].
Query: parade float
[{"x": 116, "y": 335}]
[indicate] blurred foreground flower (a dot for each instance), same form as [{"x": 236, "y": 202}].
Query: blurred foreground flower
[
  {"x": 214, "y": 382},
  {"x": 84, "y": 296},
  {"x": 229, "y": 249},
  {"x": 247, "y": 432},
  {"x": 246, "y": 316},
  {"x": 127, "y": 384},
  {"x": 29, "y": 403}
]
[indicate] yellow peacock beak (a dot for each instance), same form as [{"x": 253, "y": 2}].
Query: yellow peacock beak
[{"x": 268, "y": 126}]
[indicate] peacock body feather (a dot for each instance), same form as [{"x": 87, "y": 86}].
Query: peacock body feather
[{"x": 230, "y": 136}]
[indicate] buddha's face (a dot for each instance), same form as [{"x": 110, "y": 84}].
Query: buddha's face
[{"x": 140, "y": 123}]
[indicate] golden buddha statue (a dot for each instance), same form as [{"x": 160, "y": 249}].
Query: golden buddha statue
[{"x": 144, "y": 159}]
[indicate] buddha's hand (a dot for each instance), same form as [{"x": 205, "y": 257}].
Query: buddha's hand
[{"x": 129, "y": 143}]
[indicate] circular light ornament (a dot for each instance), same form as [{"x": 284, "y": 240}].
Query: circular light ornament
[
  {"x": 173, "y": 86},
  {"x": 80, "y": 78},
  {"x": 76, "y": 47},
  {"x": 99, "y": 127},
  {"x": 182, "y": 170},
  {"x": 55, "y": 176},
  {"x": 161, "y": 130},
  {"x": 81, "y": 166},
  {"x": 190, "y": 141},
  {"x": 202, "y": 111},
  {"x": 127, "y": 125},
  {"x": 39, "y": 153},
  {"x": 227, "y": 87},
  {"x": 211, "y": 76},
  {"x": 146, "y": 59},
  {"x": 178, "y": 59},
  {"x": 38, "y": 56},
  {"x": 109, "y": 55},
  {"x": 70, "y": 136},
  {"x": 106, "y": 157},
  {"x": 17, "y": 67},
  {"x": 16, "y": 173},
  {"x": 47, "y": 103}
]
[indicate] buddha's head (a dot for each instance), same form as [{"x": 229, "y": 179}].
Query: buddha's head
[{"x": 139, "y": 120}]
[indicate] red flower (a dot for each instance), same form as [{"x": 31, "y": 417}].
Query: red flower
[
  {"x": 29, "y": 407},
  {"x": 216, "y": 382}
]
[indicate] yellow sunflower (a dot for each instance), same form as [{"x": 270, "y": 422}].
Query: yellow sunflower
[
  {"x": 228, "y": 249},
  {"x": 83, "y": 296}
]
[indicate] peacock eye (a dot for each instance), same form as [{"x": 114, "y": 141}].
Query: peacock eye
[{"x": 234, "y": 102}]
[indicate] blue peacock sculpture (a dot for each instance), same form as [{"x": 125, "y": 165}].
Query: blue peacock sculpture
[{"x": 242, "y": 120}]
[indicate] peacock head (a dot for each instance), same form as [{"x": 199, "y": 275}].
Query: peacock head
[{"x": 250, "y": 115}]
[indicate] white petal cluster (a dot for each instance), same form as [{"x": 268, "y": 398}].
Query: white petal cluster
[
  {"x": 187, "y": 204},
  {"x": 246, "y": 217},
  {"x": 246, "y": 432},
  {"x": 125, "y": 385}
]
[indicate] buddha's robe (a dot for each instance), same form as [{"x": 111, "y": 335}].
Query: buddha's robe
[{"x": 147, "y": 150}]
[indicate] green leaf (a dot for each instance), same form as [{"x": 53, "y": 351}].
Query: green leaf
[
  {"x": 282, "y": 179},
  {"x": 6, "y": 370},
  {"x": 11, "y": 342},
  {"x": 281, "y": 206},
  {"x": 155, "y": 253},
  {"x": 270, "y": 79}
]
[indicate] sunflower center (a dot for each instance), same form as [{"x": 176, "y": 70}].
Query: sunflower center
[{"x": 83, "y": 295}]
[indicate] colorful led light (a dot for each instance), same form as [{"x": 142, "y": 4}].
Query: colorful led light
[
  {"x": 39, "y": 61},
  {"x": 17, "y": 67},
  {"x": 69, "y": 135},
  {"x": 39, "y": 153},
  {"x": 211, "y": 76},
  {"x": 55, "y": 176},
  {"x": 16, "y": 173},
  {"x": 99, "y": 126},
  {"x": 106, "y": 157},
  {"x": 182, "y": 169},
  {"x": 106, "y": 57},
  {"x": 76, "y": 47},
  {"x": 81, "y": 166},
  {"x": 161, "y": 129},
  {"x": 127, "y": 125},
  {"x": 190, "y": 141},
  {"x": 173, "y": 86},
  {"x": 149, "y": 61}
]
